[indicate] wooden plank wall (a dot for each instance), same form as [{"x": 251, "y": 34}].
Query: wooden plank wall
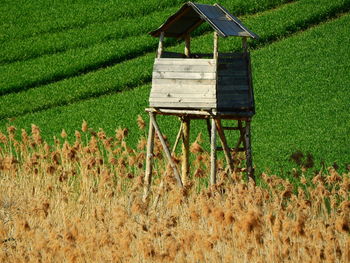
[
  {"x": 233, "y": 91},
  {"x": 184, "y": 83}
]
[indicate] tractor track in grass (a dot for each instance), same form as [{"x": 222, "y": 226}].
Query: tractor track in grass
[
  {"x": 55, "y": 42},
  {"x": 93, "y": 83},
  {"x": 82, "y": 16},
  {"x": 29, "y": 79},
  {"x": 55, "y": 76},
  {"x": 147, "y": 78},
  {"x": 84, "y": 37},
  {"x": 112, "y": 61}
]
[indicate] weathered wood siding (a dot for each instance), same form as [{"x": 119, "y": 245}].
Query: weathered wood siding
[
  {"x": 201, "y": 84},
  {"x": 184, "y": 83},
  {"x": 234, "y": 87}
]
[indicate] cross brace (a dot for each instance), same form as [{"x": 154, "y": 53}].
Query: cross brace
[{"x": 214, "y": 127}]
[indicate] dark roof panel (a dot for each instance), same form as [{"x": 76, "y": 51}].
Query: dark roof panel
[
  {"x": 191, "y": 15},
  {"x": 211, "y": 12}
]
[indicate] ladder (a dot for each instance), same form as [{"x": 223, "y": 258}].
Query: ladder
[{"x": 242, "y": 145}]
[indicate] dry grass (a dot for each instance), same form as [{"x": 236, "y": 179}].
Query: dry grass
[{"x": 82, "y": 203}]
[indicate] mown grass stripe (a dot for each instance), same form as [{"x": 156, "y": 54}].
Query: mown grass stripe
[
  {"x": 48, "y": 69},
  {"x": 25, "y": 19},
  {"x": 45, "y": 70},
  {"x": 113, "y": 78},
  {"x": 301, "y": 97},
  {"x": 51, "y": 43}
]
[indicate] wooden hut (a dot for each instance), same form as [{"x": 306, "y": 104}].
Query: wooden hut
[{"x": 210, "y": 86}]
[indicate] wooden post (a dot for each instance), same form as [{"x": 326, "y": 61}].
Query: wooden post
[
  {"x": 187, "y": 45},
  {"x": 149, "y": 157},
  {"x": 185, "y": 148},
  {"x": 244, "y": 44},
  {"x": 213, "y": 125},
  {"x": 216, "y": 46},
  {"x": 213, "y": 153},
  {"x": 160, "y": 45},
  {"x": 225, "y": 147},
  {"x": 241, "y": 135},
  {"x": 249, "y": 161},
  {"x": 166, "y": 150}
]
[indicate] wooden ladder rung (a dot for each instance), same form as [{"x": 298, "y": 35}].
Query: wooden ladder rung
[{"x": 240, "y": 149}]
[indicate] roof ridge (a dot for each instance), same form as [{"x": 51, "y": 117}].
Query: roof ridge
[
  {"x": 204, "y": 17},
  {"x": 191, "y": 15}
]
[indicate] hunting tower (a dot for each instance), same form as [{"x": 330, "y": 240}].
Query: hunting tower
[{"x": 212, "y": 86}]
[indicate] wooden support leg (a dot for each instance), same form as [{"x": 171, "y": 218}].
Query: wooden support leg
[
  {"x": 241, "y": 135},
  {"x": 213, "y": 153},
  {"x": 149, "y": 157},
  {"x": 225, "y": 147},
  {"x": 249, "y": 160},
  {"x": 185, "y": 148},
  {"x": 166, "y": 150}
]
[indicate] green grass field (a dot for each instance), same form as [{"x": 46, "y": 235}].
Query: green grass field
[{"x": 57, "y": 68}]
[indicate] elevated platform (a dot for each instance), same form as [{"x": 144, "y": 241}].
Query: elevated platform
[{"x": 203, "y": 114}]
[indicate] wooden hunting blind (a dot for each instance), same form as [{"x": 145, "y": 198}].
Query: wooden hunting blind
[{"x": 209, "y": 86}]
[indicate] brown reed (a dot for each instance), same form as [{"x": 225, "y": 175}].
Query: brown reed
[{"x": 81, "y": 202}]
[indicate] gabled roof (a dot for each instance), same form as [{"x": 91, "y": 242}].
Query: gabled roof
[{"x": 192, "y": 15}]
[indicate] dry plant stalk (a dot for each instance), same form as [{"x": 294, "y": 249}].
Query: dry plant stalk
[{"x": 81, "y": 202}]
